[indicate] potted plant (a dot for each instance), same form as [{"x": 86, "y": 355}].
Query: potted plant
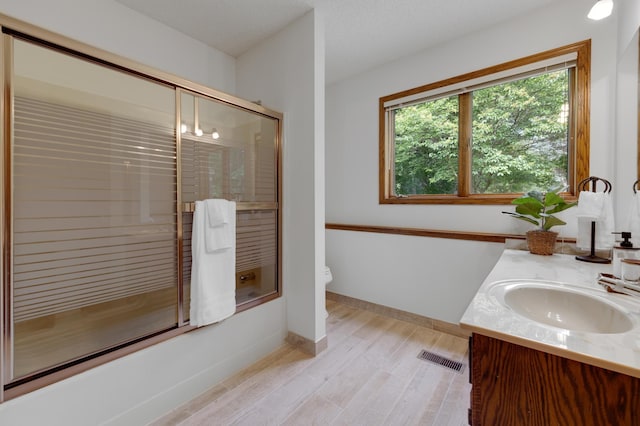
[{"x": 539, "y": 208}]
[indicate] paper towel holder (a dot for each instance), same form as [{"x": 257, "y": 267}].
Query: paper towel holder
[{"x": 587, "y": 184}]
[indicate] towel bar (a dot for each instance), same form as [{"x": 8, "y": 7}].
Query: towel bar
[
  {"x": 592, "y": 182},
  {"x": 189, "y": 207}
]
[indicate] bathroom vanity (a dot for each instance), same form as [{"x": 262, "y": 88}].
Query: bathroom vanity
[{"x": 550, "y": 346}]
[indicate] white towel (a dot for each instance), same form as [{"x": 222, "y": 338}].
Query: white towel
[
  {"x": 633, "y": 222},
  {"x": 219, "y": 234},
  {"x": 213, "y": 282},
  {"x": 217, "y": 212},
  {"x": 595, "y": 207}
]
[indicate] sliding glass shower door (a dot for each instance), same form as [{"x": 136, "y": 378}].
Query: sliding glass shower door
[
  {"x": 94, "y": 259},
  {"x": 228, "y": 152}
]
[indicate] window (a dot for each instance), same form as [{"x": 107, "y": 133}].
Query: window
[{"x": 489, "y": 135}]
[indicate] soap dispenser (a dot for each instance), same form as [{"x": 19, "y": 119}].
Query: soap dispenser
[{"x": 625, "y": 250}]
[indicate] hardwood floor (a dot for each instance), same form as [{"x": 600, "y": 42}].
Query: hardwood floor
[{"x": 369, "y": 375}]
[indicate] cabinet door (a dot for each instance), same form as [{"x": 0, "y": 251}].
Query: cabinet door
[{"x": 514, "y": 385}]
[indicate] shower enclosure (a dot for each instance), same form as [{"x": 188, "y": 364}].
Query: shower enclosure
[{"x": 102, "y": 165}]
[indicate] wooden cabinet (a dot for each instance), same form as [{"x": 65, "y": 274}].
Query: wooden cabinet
[{"x": 514, "y": 385}]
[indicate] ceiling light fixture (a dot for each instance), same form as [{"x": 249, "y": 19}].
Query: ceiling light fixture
[
  {"x": 196, "y": 122},
  {"x": 600, "y": 10}
]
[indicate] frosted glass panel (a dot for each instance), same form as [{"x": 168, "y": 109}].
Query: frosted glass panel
[
  {"x": 94, "y": 209},
  {"x": 239, "y": 164}
]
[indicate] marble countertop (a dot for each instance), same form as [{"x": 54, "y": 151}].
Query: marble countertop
[{"x": 485, "y": 315}]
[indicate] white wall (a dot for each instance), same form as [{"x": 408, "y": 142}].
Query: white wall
[
  {"x": 111, "y": 26},
  {"x": 422, "y": 269},
  {"x": 140, "y": 387},
  {"x": 626, "y": 113},
  {"x": 629, "y": 20},
  {"x": 434, "y": 278},
  {"x": 286, "y": 72}
]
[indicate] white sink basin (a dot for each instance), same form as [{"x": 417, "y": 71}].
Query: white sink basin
[{"x": 562, "y": 306}]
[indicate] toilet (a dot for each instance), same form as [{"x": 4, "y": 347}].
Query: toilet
[{"x": 327, "y": 279}]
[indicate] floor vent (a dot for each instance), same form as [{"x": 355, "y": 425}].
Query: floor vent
[{"x": 440, "y": 360}]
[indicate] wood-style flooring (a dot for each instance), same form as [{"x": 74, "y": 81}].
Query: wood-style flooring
[{"x": 369, "y": 375}]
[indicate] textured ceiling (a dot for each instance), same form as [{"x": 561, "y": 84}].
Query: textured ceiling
[{"x": 360, "y": 34}]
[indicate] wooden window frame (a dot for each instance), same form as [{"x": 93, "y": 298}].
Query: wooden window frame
[{"x": 578, "y": 136}]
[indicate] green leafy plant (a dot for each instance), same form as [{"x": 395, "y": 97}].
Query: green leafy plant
[{"x": 539, "y": 208}]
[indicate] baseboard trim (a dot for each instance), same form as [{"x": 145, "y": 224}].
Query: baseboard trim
[
  {"x": 305, "y": 345},
  {"x": 443, "y": 326}
]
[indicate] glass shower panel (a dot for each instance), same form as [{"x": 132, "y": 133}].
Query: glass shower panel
[
  {"x": 94, "y": 209},
  {"x": 228, "y": 152}
]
